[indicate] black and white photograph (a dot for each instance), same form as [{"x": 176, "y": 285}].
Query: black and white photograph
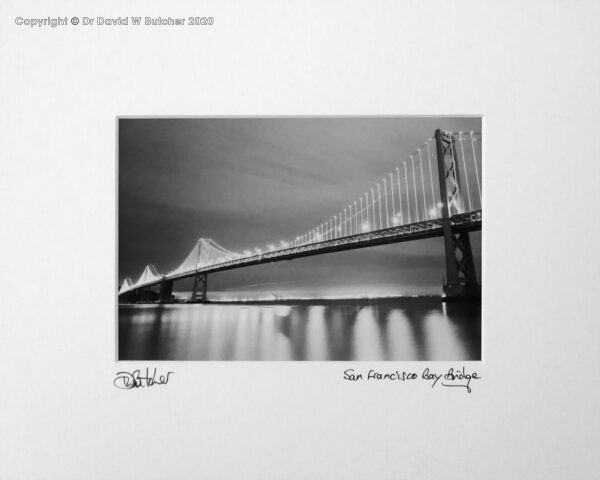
[
  {"x": 300, "y": 238},
  {"x": 246, "y": 240}
]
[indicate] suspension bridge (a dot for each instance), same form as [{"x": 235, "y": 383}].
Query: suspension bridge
[{"x": 435, "y": 192}]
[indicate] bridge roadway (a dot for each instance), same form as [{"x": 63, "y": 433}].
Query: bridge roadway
[{"x": 465, "y": 222}]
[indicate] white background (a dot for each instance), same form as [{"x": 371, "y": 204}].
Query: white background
[{"x": 531, "y": 68}]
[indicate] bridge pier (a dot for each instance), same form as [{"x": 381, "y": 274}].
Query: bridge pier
[
  {"x": 128, "y": 297},
  {"x": 146, "y": 295},
  {"x": 199, "y": 288},
  {"x": 461, "y": 279},
  {"x": 166, "y": 291}
]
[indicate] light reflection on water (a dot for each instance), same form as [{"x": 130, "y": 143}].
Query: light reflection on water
[{"x": 406, "y": 329}]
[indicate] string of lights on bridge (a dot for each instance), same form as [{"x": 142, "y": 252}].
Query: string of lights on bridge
[
  {"x": 393, "y": 201},
  {"x": 371, "y": 211}
]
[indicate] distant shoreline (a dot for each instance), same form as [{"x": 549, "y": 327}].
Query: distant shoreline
[{"x": 303, "y": 301}]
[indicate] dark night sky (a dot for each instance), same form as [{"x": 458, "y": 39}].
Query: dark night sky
[{"x": 249, "y": 182}]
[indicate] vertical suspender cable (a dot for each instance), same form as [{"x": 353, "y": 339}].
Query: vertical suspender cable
[
  {"x": 412, "y": 161},
  {"x": 462, "y": 151},
  {"x": 379, "y": 205},
  {"x": 471, "y": 134},
  {"x": 422, "y": 182},
  {"x": 434, "y": 209},
  {"x": 393, "y": 205},
  {"x": 387, "y": 213}
]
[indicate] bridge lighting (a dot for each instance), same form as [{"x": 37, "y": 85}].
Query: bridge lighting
[
  {"x": 422, "y": 184},
  {"x": 362, "y": 219},
  {"x": 373, "y": 206},
  {"x": 462, "y": 151},
  {"x": 345, "y": 223},
  {"x": 407, "y": 197},
  {"x": 206, "y": 253},
  {"x": 367, "y": 201},
  {"x": 412, "y": 161},
  {"x": 430, "y": 173},
  {"x": 472, "y": 136},
  {"x": 379, "y": 205},
  {"x": 399, "y": 192},
  {"x": 387, "y": 213},
  {"x": 392, "y": 189}
]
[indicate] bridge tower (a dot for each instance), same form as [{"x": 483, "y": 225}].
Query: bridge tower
[
  {"x": 166, "y": 291},
  {"x": 199, "y": 289},
  {"x": 200, "y": 279},
  {"x": 461, "y": 278}
]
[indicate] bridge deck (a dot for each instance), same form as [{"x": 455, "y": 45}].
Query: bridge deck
[{"x": 414, "y": 231}]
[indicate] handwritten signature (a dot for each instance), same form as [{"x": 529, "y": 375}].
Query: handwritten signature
[{"x": 135, "y": 379}]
